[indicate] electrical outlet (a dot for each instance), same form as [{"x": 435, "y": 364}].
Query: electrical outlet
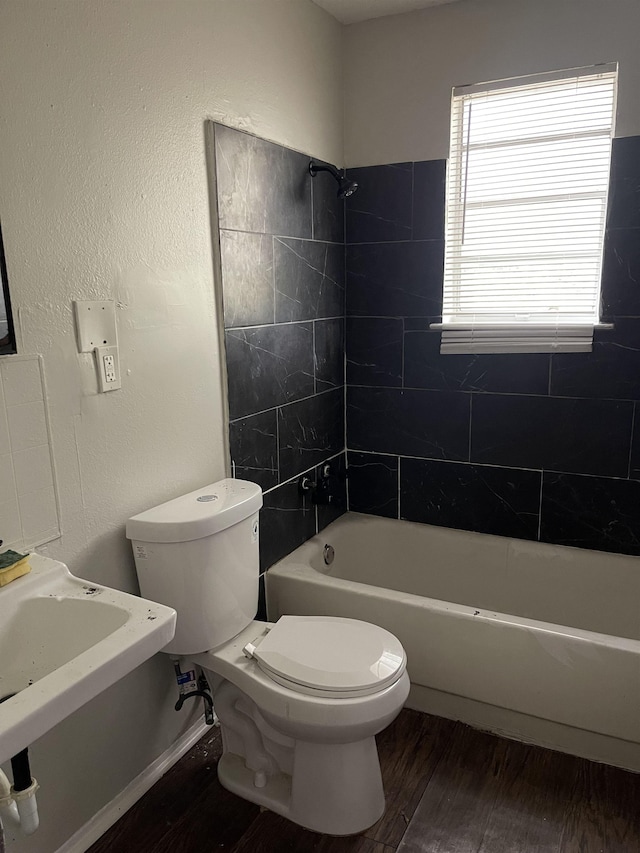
[{"x": 108, "y": 366}]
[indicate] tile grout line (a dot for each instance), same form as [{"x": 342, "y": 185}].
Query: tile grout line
[
  {"x": 540, "y": 507},
  {"x": 633, "y": 423},
  {"x": 312, "y": 196},
  {"x": 273, "y": 281},
  {"x": 346, "y": 481},
  {"x": 315, "y": 360},
  {"x": 302, "y": 473},
  {"x": 624, "y": 479},
  {"x": 287, "y": 236},
  {"x": 484, "y": 393},
  {"x": 404, "y": 240},
  {"x": 403, "y": 358},
  {"x": 277, "y": 444},
  {"x": 282, "y": 322},
  {"x": 431, "y": 317},
  {"x": 283, "y": 405},
  {"x": 345, "y": 209},
  {"x": 413, "y": 200}
]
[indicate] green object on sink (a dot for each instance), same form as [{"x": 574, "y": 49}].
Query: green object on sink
[
  {"x": 13, "y": 566},
  {"x": 8, "y": 558}
]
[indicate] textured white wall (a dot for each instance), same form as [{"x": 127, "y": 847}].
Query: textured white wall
[
  {"x": 399, "y": 71},
  {"x": 103, "y": 195}
]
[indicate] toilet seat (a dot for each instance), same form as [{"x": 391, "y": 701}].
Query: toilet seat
[{"x": 329, "y": 656}]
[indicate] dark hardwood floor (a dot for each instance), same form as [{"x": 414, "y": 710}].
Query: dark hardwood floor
[{"x": 449, "y": 789}]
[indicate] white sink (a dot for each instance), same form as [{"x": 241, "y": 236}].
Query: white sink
[{"x": 62, "y": 641}]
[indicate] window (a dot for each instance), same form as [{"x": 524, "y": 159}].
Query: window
[{"x": 527, "y": 191}]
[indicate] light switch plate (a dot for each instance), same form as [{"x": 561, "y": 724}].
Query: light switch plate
[{"x": 95, "y": 325}]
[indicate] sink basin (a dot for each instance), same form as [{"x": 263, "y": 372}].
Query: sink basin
[{"x": 62, "y": 641}]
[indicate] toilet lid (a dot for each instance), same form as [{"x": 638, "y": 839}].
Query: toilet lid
[{"x": 330, "y": 655}]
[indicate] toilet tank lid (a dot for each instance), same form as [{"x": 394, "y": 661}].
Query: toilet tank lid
[{"x": 201, "y": 513}]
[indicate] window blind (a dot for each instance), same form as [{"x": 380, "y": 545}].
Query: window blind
[{"x": 527, "y": 186}]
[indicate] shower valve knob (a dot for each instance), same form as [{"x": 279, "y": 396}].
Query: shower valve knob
[{"x": 307, "y": 484}]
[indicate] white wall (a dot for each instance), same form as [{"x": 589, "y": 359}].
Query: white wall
[
  {"x": 103, "y": 195},
  {"x": 399, "y": 71}
]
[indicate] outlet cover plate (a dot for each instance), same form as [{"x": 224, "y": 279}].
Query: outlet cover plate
[{"x": 95, "y": 324}]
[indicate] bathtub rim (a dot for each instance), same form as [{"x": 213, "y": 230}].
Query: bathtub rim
[{"x": 288, "y": 567}]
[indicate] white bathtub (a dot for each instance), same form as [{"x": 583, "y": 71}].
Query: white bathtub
[{"x": 533, "y": 641}]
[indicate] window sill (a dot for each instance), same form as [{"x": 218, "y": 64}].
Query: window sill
[{"x": 464, "y": 338}]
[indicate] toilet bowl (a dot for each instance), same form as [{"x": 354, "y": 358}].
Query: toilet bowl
[
  {"x": 309, "y": 756},
  {"x": 300, "y": 700}
]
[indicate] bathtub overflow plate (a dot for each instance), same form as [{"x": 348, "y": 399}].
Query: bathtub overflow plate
[{"x": 329, "y": 554}]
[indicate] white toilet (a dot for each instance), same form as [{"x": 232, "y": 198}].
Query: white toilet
[{"x": 299, "y": 700}]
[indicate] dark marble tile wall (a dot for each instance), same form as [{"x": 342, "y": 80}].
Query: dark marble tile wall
[
  {"x": 282, "y": 264},
  {"x": 533, "y": 446}
]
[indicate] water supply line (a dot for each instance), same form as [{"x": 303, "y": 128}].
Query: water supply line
[{"x": 189, "y": 687}]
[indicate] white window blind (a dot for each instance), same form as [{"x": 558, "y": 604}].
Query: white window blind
[{"x": 527, "y": 187}]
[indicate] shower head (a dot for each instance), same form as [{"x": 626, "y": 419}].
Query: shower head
[{"x": 345, "y": 186}]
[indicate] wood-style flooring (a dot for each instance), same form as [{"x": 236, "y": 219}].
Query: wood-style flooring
[{"x": 449, "y": 789}]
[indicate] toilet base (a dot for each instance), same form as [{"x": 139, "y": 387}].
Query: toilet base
[
  {"x": 235, "y": 776},
  {"x": 335, "y": 789}
]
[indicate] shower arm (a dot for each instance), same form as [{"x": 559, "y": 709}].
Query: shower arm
[
  {"x": 314, "y": 168},
  {"x": 345, "y": 186}
]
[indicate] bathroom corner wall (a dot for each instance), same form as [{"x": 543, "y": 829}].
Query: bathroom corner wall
[
  {"x": 533, "y": 446},
  {"x": 282, "y": 270}
]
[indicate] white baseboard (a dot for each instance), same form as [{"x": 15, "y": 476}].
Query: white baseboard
[{"x": 88, "y": 834}]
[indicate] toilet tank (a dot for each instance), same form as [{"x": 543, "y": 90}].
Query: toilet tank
[{"x": 199, "y": 554}]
